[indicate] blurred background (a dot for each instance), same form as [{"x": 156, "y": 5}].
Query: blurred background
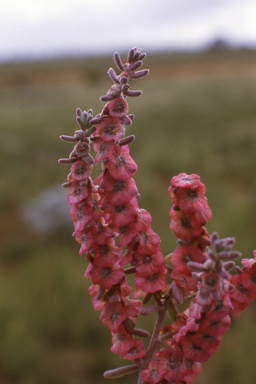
[{"x": 197, "y": 114}]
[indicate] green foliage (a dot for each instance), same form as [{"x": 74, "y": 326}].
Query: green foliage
[{"x": 194, "y": 124}]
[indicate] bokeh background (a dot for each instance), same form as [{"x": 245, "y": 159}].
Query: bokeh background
[{"x": 197, "y": 114}]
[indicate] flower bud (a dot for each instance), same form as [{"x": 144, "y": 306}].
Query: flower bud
[{"x": 119, "y": 372}]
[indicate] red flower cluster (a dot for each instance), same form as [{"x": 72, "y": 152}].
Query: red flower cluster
[
  {"x": 244, "y": 283},
  {"x": 190, "y": 211},
  {"x": 114, "y": 232}
]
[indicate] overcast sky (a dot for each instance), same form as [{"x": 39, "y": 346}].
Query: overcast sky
[{"x": 39, "y": 28}]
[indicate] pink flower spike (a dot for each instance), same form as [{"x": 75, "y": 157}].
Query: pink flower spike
[
  {"x": 137, "y": 351},
  {"x": 80, "y": 170},
  {"x": 113, "y": 315},
  {"x": 120, "y": 164},
  {"x": 151, "y": 374},
  {"x": 108, "y": 276},
  {"x": 110, "y": 129}
]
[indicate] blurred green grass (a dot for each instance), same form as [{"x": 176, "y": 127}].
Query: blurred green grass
[{"x": 196, "y": 115}]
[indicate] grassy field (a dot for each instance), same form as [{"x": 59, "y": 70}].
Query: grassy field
[{"x": 197, "y": 114}]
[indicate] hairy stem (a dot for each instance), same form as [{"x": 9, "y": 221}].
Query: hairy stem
[{"x": 162, "y": 307}]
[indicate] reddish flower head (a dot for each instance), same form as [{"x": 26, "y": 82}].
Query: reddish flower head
[
  {"x": 119, "y": 191},
  {"x": 122, "y": 214},
  {"x": 80, "y": 170},
  {"x": 120, "y": 164},
  {"x": 106, "y": 277},
  {"x": 171, "y": 366},
  {"x": 151, "y": 283},
  {"x": 103, "y": 149},
  {"x": 122, "y": 341},
  {"x": 118, "y": 107},
  {"x": 113, "y": 314},
  {"x": 184, "y": 226},
  {"x": 149, "y": 264},
  {"x": 151, "y": 374},
  {"x": 77, "y": 192},
  {"x": 135, "y": 352},
  {"x": 189, "y": 199},
  {"x": 110, "y": 129},
  {"x": 105, "y": 255},
  {"x": 185, "y": 253}
]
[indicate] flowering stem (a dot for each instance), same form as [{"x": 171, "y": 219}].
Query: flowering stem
[{"x": 162, "y": 308}]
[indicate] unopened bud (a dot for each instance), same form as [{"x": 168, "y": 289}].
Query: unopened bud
[
  {"x": 107, "y": 98},
  {"x": 146, "y": 311},
  {"x": 198, "y": 267},
  {"x": 127, "y": 92},
  {"x": 119, "y": 372},
  {"x": 229, "y": 265},
  {"x": 147, "y": 298},
  {"x": 66, "y": 185},
  {"x": 100, "y": 294},
  {"x": 130, "y": 55},
  {"x": 96, "y": 120},
  {"x": 113, "y": 76},
  {"x": 177, "y": 293},
  {"x": 90, "y": 131},
  {"x": 118, "y": 61},
  {"x": 68, "y": 138},
  {"x": 129, "y": 271},
  {"x": 238, "y": 269},
  {"x": 67, "y": 161},
  {"x": 127, "y": 140},
  {"x": 140, "y": 74},
  {"x": 129, "y": 324},
  {"x": 136, "y": 65},
  {"x": 140, "y": 332},
  {"x": 126, "y": 120}
]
